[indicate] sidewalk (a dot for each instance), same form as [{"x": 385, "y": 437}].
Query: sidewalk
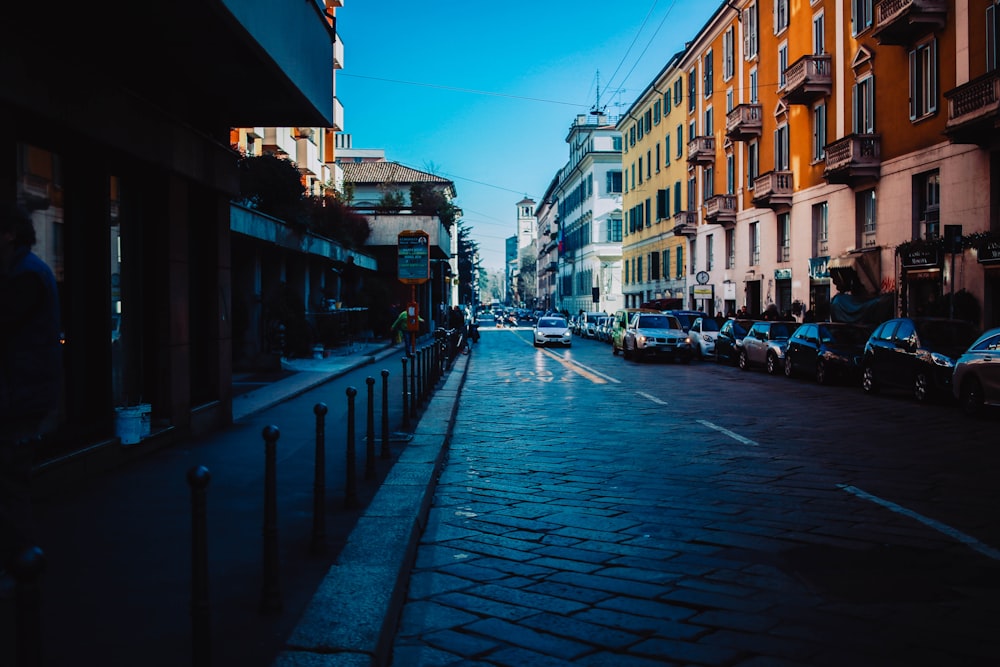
[{"x": 117, "y": 585}]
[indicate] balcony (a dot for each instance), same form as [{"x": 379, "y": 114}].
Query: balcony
[
  {"x": 901, "y": 22},
  {"x": 701, "y": 150},
  {"x": 974, "y": 111},
  {"x": 721, "y": 210},
  {"x": 744, "y": 122},
  {"x": 552, "y": 267},
  {"x": 854, "y": 160},
  {"x": 807, "y": 79},
  {"x": 773, "y": 190},
  {"x": 686, "y": 223}
]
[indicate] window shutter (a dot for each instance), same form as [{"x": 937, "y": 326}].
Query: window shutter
[{"x": 914, "y": 74}]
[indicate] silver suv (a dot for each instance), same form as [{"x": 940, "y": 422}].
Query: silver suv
[
  {"x": 656, "y": 335},
  {"x": 765, "y": 344}
]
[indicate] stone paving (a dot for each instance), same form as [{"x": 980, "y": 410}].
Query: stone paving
[{"x": 562, "y": 534}]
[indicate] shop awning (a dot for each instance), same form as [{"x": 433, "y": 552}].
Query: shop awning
[{"x": 857, "y": 272}]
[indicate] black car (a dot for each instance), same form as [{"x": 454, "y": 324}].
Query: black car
[
  {"x": 917, "y": 354},
  {"x": 827, "y": 351},
  {"x": 730, "y": 339}
]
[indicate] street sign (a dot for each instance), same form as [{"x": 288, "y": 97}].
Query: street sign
[{"x": 414, "y": 257}]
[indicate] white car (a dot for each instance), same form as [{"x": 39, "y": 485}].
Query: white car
[
  {"x": 703, "y": 332},
  {"x": 552, "y": 330}
]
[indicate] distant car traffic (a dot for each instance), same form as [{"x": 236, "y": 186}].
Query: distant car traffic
[
  {"x": 827, "y": 351},
  {"x": 552, "y": 330},
  {"x": 976, "y": 378},
  {"x": 917, "y": 354}
]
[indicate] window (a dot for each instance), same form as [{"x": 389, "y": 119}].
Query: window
[
  {"x": 633, "y": 175},
  {"x": 640, "y": 171},
  {"x": 666, "y": 150},
  {"x": 707, "y": 63},
  {"x": 751, "y": 39},
  {"x": 923, "y": 80},
  {"x": 928, "y": 190},
  {"x": 680, "y": 140},
  {"x": 692, "y": 194},
  {"x": 708, "y": 183},
  {"x": 781, "y": 158},
  {"x": 709, "y": 251},
  {"x": 992, "y": 31},
  {"x": 692, "y": 89},
  {"x": 647, "y": 119},
  {"x": 754, "y": 243},
  {"x": 820, "y": 229},
  {"x": 613, "y": 184},
  {"x": 861, "y": 15},
  {"x": 780, "y": 15},
  {"x": 819, "y": 33},
  {"x": 730, "y": 248},
  {"x": 784, "y": 237},
  {"x": 753, "y": 86},
  {"x": 656, "y": 112},
  {"x": 654, "y": 266},
  {"x": 649, "y": 165},
  {"x": 819, "y": 132},
  {"x": 657, "y": 157},
  {"x": 865, "y": 212},
  {"x": 730, "y": 174},
  {"x": 864, "y": 105},
  {"x": 666, "y": 103},
  {"x": 753, "y": 166},
  {"x": 692, "y": 131},
  {"x": 679, "y": 266},
  {"x": 638, "y": 269},
  {"x": 615, "y": 230},
  {"x": 730, "y": 100},
  {"x": 677, "y": 197},
  {"x": 678, "y": 91},
  {"x": 616, "y": 144},
  {"x": 662, "y": 204},
  {"x": 649, "y": 212},
  {"x": 728, "y": 54},
  {"x": 693, "y": 245},
  {"x": 709, "y": 122},
  {"x": 782, "y": 63},
  {"x": 666, "y": 263}
]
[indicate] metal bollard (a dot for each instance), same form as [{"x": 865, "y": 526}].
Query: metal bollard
[
  {"x": 413, "y": 388},
  {"x": 351, "y": 496},
  {"x": 406, "y": 402},
  {"x": 27, "y": 568},
  {"x": 370, "y": 425},
  {"x": 318, "y": 544},
  {"x": 385, "y": 413},
  {"x": 201, "y": 631},
  {"x": 270, "y": 594}
]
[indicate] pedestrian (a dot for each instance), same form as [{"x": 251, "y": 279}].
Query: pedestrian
[
  {"x": 31, "y": 372},
  {"x": 401, "y": 328}
]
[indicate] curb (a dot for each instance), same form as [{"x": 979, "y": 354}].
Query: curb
[{"x": 351, "y": 620}]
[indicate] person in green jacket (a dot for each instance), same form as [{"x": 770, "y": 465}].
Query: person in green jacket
[{"x": 398, "y": 329}]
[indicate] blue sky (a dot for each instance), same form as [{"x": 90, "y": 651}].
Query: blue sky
[{"x": 484, "y": 93}]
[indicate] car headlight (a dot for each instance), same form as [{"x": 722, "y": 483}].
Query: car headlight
[
  {"x": 640, "y": 339},
  {"x": 942, "y": 360}
]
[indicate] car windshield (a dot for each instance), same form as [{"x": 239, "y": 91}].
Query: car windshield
[
  {"x": 946, "y": 334},
  {"x": 709, "y": 325},
  {"x": 654, "y": 322},
  {"x": 552, "y": 323}
]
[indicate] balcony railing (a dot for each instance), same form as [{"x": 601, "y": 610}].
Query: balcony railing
[
  {"x": 721, "y": 210},
  {"x": 701, "y": 150},
  {"x": 686, "y": 223},
  {"x": 854, "y": 160},
  {"x": 974, "y": 110},
  {"x": 807, "y": 79},
  {"x": 744, "y": 122},
  {"x": 901, "y": 22},
  {"x": 774, "y": 189}
]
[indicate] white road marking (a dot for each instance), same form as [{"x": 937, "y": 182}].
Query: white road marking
[
  {"x": 953, "y": 533},
  {"x": 654, "y": 399},
  {"x": 735, "y": 436}
]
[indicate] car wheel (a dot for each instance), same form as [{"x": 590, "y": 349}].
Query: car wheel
[
  {"x": 625, "y": 351},
  {"x": 971, "y": 397},
  {"x": 922, "y": 387},
  {"x": 614, "y": 350},
  {"x": 537, "y": 344},
  {"x": 788, "y": 367},
  {"x": 638, "y": 355},
  {"x": 822, "y": 376},
  {"x": 868, "y": 380},
  {"x": 744, "y": 361},
  {"x": 772, "y": 364},
  {"x": 686, "y": 359}
]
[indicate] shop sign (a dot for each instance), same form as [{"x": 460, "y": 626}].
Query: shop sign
[
  {"x": 414, "y": 257},
  {"x": 782, "y": 274},
  {"x": 818, "y": 267},
  {"x": 989, "y": 251},
  {"x": 919, "y": 258},
  {"x": 703, "y": 291}
]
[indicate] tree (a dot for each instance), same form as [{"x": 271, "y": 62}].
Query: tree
[
  {"x": 331, "y": 217},
  {"x": 468, "y": 277},
  {"x": 427, "y": 200},
  {"x": 272, "y": 185}
]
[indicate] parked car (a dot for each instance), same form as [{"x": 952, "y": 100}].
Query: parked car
[
  {"x": 686, "y": 317},
  {"x": 552, "y": 330},
  {"x": 827, "y": 351},
  {"x": 619, "y": 323},
  {"x": 703, "y": 332},
  {"x": 730, "y": 339},
  {"x": 764, "y": 346},
  {"x": 915, "y": 353},
  {"x": 604, "y": 329},
  {"x": 588, "y": 324},
  {"x": 976, "y": 378},
  {"x": 656, "y": 335}
]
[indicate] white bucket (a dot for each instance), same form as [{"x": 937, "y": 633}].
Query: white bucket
[
  {"x": 146, "y": 414},
  {"x": 128, "y": 425}
]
